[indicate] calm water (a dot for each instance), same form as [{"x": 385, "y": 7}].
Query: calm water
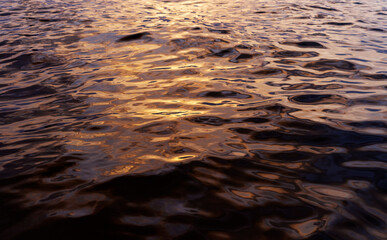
[{"x": 207, "y": 119}]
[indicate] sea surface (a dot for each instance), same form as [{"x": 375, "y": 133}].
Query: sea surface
[{"x": 197, "y": 119}]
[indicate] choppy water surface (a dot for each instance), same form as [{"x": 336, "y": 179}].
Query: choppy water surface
[{"x": 204, "y": 119}]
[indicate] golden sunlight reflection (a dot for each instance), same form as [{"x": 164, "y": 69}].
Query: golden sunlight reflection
[{"x": 186, "y": 119}]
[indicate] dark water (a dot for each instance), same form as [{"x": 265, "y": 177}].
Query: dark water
[{"x": 193, "y": 119}]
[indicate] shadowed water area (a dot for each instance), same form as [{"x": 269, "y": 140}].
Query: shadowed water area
[{"x": 179, "y": 119}]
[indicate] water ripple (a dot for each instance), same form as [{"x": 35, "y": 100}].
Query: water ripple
[{"x": 193, "y": 120}]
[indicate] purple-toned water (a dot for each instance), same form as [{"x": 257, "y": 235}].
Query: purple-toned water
[{"x": 193, "y": 119}]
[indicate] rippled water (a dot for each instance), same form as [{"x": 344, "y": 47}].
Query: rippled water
[{"x": 193, "y": 119}]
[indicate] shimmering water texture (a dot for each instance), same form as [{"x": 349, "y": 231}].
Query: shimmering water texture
[{"x": 189, "y": 119}]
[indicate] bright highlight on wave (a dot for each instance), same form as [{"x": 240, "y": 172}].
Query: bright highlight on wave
[{"x": 193, "y": 119}]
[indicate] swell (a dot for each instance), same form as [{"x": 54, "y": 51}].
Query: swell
[{"x": 192, "y": 120}]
